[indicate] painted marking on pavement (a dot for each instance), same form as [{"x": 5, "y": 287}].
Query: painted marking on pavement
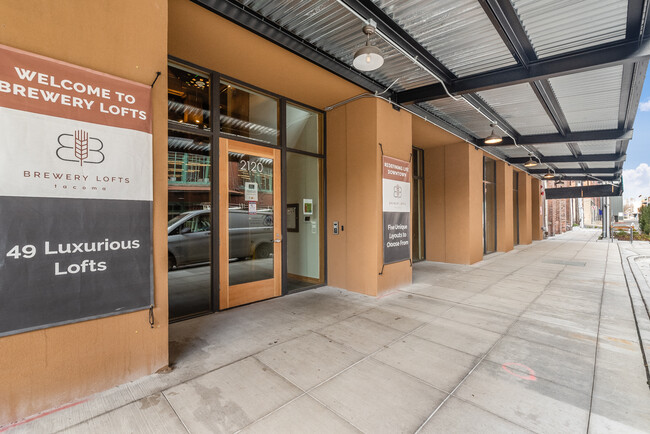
[
  {"x": 531, "y": 374},
  {"x": 38, "y": 416}
]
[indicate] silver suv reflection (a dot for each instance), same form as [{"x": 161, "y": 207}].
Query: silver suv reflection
[{"x": 188, "y": 236}]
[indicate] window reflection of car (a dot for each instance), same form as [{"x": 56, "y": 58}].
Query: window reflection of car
[{"x": 188, "y": 236}]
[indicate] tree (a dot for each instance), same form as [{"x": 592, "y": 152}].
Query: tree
[{"x": 644, "y": 219}]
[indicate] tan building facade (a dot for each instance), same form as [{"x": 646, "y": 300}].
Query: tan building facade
[{"x": 50, "y": 367}]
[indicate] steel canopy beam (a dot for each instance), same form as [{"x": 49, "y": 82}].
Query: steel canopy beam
[
  {"x": 598, "y": 158},
  {"x": 400, "y": 37},
  {"x": 506, "y": 22},
  {"x": 608, "y": 178},
  {"x": 551, "y": 105},
  {"x": 593, "y": 171},
  {"x": 584, "y": 60},
  {"x": 635, "y": 13},
  {"x": 584, "y": 191},
  {"x": 581, "y": 136},
  {"x": 478, "y": 103}
]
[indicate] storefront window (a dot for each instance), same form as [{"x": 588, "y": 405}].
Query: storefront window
[
  {"x": 489, "y": 206},
  {"x": 305, "y": 218},
  {"x": 188, "y": 98},
  {"x": 249, "y": 114},
  {"x": 189, "y": 184},
  {"x": 189, "y": 225},
  {"x": 304, "y": 129},
  {"x": 418, "y": 205},
  {"x": 249, "y": 244},
  {"x": 515, "y": 207}
]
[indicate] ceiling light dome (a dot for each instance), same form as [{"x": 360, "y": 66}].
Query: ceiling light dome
[
  {"x": 530, "y": 162},
  {"x": 492, "y": 138},
  {"x": 368, "y": 57}
]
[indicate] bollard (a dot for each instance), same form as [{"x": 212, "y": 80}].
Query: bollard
[{"x": 631, "y": 234}]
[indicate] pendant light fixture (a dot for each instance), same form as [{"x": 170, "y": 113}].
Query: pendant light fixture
[
  {"x": 549, "y": 174},
  {"x": 492, "y": 138},
  {"x": 368, "y": 58},
  {"x": 530, "y": 162}
]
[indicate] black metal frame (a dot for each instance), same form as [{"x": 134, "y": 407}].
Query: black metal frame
[
  {"x": 515, "y": 191},
  {"x": 496, "y": 226},
  {"x": 583, "y": 191},
  {"x": 214, "y": 135},
  {"x": 614, "y": 158},
  {"x": 585, "y": 60},
  {"x": 423, "y": 233}
]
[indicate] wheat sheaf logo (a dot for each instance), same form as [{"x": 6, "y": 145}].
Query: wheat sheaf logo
[{"x": 80, "y": 148}]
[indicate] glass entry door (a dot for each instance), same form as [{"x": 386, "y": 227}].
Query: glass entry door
[{"x": 250, "y": 231}]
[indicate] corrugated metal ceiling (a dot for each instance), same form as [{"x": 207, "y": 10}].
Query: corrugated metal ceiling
[
  {"x": 556, "y": 27},
  {"x": 333, "y": 29},
  {"x": 595, "y": 148},
  {"x": 519, "y": 106},
  {"x": 554, "y": 149},
  {"x": 514, "y": 151},
  {"x": 459, "y": 34},
  {"x": 456, "y": 32},
  {"x": 602, "y": 165},
  {"x": 567, "y": 165},
  {"x": 460, "y": 113},
  {"x": 590, "y": 99}
]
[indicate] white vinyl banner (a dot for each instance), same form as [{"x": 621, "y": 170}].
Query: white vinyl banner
[
  {"x": 75, "y": 193},
  {"x": 114, "y": 163}
]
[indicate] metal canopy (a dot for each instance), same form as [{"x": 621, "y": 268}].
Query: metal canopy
[
  {"x": 584, "y": 191},
  {"x": 562, "y": 79}
]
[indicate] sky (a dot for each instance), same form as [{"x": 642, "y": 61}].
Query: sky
[{"x": 636, "y": 169}]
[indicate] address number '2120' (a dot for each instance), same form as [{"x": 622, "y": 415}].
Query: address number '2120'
[{"x": 251, "y": 166}]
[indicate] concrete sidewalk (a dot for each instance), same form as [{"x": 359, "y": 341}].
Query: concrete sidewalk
[{"x": 540, "y": 339}]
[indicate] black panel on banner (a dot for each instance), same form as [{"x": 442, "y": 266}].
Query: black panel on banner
[
  {"x": 397, "y": 246},
  {"x": 68, "y": 260}
]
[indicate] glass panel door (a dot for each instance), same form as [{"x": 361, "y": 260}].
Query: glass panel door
[
  {"x": 250, "y": 228},
  {"x": 189, "y": 189}
]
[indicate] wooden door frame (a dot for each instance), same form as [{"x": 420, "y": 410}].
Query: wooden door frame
[{"x": 236, "y": 295}]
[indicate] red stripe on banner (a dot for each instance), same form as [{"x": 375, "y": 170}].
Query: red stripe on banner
[{"x": 38, "y": 84}]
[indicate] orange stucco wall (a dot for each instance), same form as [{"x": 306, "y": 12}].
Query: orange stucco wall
[
  {"x": 354, "y": 194},
  {"x": 46, "y": 368},
  {"x": 454, "y": 203},
  {"x": 453, "y": 188},
  {"x": 337, "y": 197}
]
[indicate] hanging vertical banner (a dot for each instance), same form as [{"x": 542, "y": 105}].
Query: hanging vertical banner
[
  {"x": 396, "y": 186},
  {"x": 75, "y": 193}
]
